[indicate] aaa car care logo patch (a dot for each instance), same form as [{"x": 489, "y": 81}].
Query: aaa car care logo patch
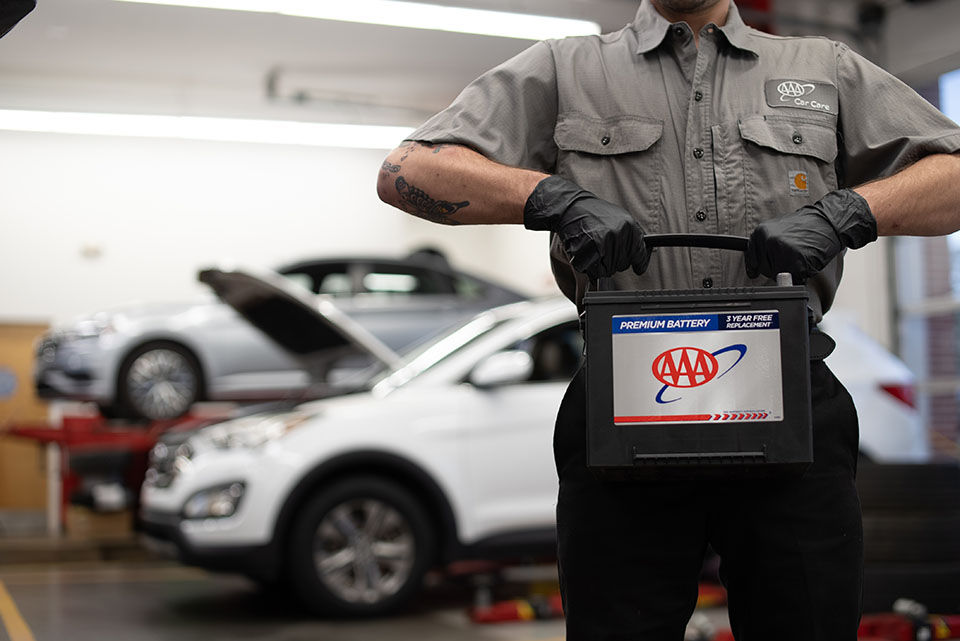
[
  {"x": 802, "y": 94},
  {"x": 792, "y": 89},
  {"x": 689, "y": 367}
]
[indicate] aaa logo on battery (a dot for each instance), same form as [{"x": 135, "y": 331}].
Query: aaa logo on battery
[{"x": 687, "y": 367}]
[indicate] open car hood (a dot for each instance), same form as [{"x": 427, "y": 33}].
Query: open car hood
[{"x": 310, "y": 327}]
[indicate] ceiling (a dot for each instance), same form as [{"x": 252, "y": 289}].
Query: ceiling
[{"x": 101, "y": 55}]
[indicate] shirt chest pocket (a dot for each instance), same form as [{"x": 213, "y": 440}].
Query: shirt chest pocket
[
  {"x": 785, "y": 162},
  {"x": 617, "y": 158}
]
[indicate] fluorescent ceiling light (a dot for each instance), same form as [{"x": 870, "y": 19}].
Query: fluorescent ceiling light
[
  {"x": 274, "y": 132},
  {"x": 414, "y": 15}
]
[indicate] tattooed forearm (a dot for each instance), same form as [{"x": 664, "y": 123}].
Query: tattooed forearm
[
  {"x": 416, "y": 201},
  {"x": 386, "y": 166}
]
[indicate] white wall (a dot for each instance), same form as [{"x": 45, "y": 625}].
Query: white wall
[{"x": 89, "y": 222}]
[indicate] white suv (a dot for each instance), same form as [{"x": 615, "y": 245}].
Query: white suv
[{"x": 351, "y": 499}]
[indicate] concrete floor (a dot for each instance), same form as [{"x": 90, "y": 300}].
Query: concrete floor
[{"x": 161, "y": 601}]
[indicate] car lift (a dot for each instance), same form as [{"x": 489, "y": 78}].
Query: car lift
[{"x": 91, "y": 434}]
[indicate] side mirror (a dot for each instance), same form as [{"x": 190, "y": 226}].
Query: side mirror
[{"x": 502, "y": 368}]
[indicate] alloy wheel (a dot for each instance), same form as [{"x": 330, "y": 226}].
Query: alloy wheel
[
  {"x": 161, "y": 383},
  {"x": 364, "y": 551}
]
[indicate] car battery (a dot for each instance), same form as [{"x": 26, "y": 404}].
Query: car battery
[{"x": 698, "y": 382}]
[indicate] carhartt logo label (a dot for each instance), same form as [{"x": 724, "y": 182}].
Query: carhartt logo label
[
  {"x": 792, "y": 89},
  {"x": 798, "y": 182},
  {"x": 802, "y": 94}
]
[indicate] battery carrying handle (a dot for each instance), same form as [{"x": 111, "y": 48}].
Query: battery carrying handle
[{"x": 703, "y": 241}]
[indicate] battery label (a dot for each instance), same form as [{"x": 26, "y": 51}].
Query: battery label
[{"x": 697, "y": 368}]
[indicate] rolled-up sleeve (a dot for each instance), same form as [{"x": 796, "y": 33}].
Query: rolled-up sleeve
[
  {"x": 508, "y": 114},
  {"x": 884, "y": 124}
]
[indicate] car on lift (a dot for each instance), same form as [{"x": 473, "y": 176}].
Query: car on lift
[
  {"x": 445, "y": 455},
  {"x": 155, "y": 361}
]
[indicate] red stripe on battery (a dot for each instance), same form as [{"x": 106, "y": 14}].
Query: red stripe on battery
[
  {"x": 663, "y": 419},
  {"x": 700, "y": 418}
]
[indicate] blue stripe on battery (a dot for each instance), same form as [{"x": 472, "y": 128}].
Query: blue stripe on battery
[
  {"x": 695, "y": 322},
  {"x": 750, "y": 320}
]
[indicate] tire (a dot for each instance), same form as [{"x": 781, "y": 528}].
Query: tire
[
  {"x": 159, "y": 381},
  {"x": 911, "y": 538},
  {"x": 935, "y": 585},
  {"x": 362, "y": 526},
  {"x": 931, "y": 487}
]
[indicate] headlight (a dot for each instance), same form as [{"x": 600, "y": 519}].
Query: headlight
[
  {"x": 92, "y": 327},
  {"x": 253, "y": 431},
  {"x": 216, "y": 502}
]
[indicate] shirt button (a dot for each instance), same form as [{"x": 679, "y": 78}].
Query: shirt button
[
  {"x": 678, "y": 30},
  {"x": 698, "y": 95},
  {"x": 605, "y": 141},
  {"x": 707, "y": 283},
  {"x": 701, "y": 215},
  {"x": 797, "y": 139},
  {"x": 698, "y": 153}
]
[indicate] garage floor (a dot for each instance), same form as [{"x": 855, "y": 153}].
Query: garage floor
[{"x": 161, "y": 601}]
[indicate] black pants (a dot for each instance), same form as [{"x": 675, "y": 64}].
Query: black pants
[{"x": 791, "y": 550}]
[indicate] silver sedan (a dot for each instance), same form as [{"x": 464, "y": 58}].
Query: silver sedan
[{"x": 155, "y": 361}]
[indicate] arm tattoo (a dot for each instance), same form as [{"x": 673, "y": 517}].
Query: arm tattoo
[
  {"x": 386, "y": 166},
  {"x": 410, "y": 146},
  {"x": 416, "y": 201}
]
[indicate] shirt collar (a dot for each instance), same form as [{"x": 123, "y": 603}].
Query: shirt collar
[{"x": 651, "y": 28}]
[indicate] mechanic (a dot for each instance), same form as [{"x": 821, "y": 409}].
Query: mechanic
[{"x": 689, "y": 121}]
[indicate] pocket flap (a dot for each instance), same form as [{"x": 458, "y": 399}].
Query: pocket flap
[
  {"x": 607, "y": 136},
  {"x": 791, "y": 137}
]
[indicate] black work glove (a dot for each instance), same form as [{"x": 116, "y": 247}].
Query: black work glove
[
  {"x": 12, "y": 12},
  {"x": 599, "y": 237},
  {"x": 803, "y": 242}
]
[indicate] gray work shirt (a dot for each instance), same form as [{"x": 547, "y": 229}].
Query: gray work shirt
[{"x": 714, "y": 139}]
